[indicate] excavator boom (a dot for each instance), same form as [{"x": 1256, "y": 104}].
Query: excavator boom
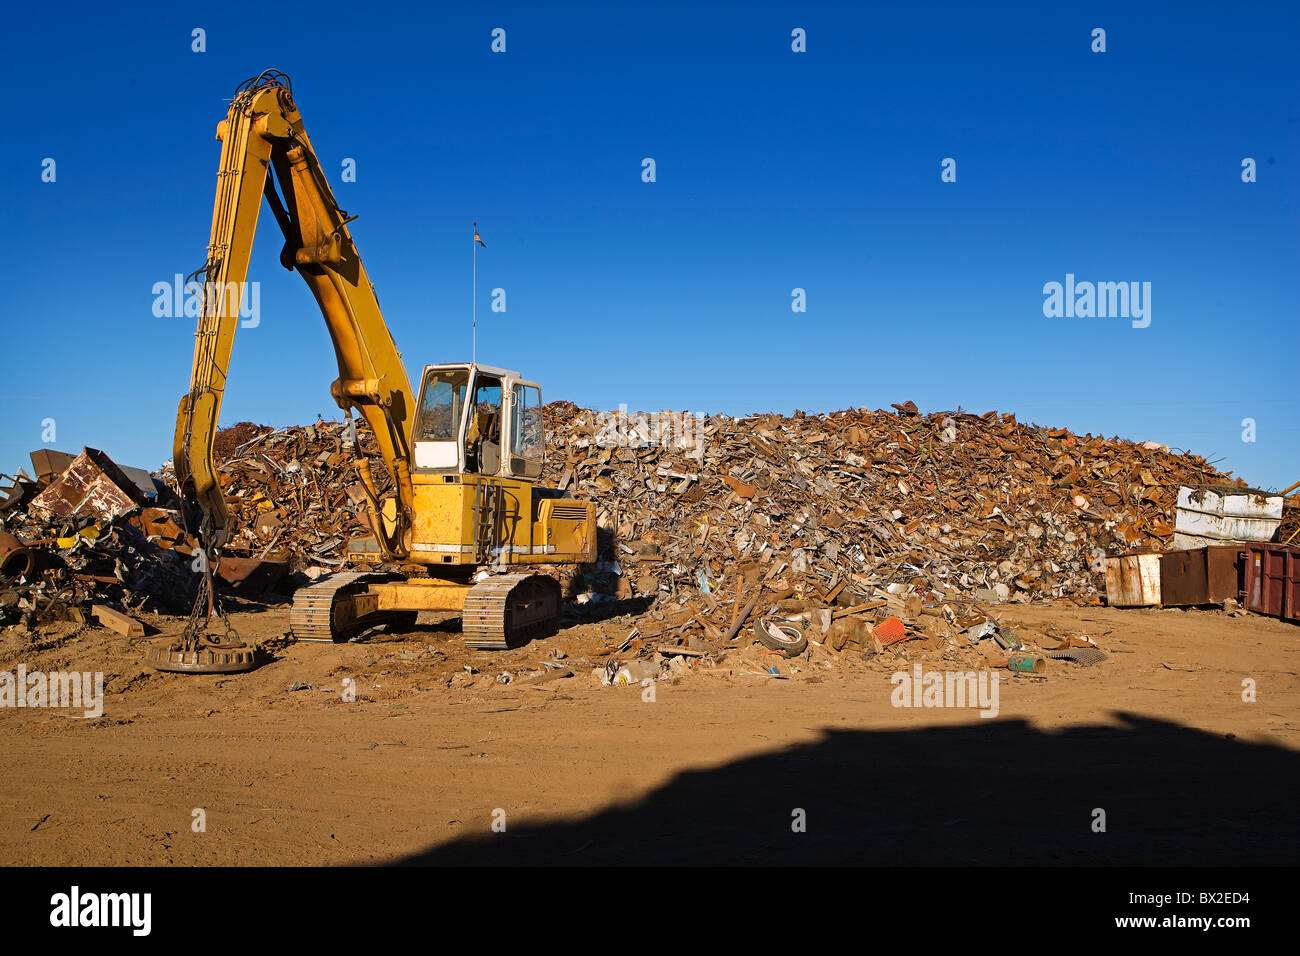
[{"x": 263, "y": 144}]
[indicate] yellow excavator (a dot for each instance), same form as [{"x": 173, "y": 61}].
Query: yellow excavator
[{"x": 464, "y": 516}]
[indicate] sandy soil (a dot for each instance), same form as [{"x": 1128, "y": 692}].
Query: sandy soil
[{"x": 433, "y": 764}]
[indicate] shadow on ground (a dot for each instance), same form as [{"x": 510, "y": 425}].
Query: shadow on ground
[
  {"x": 603, "y": 610},
  {"x": 992, "y": 792}
]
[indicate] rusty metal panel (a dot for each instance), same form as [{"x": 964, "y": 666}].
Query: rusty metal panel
[
  {"x": 1133, "y": 580},
  {"x": 1199, "y": 576},
  {"x": 92, "y": 486},
  {"x": 1223, "y": 573},
  {"x": 1272, "y": 574},
  {"x": 49, "y": 464}
]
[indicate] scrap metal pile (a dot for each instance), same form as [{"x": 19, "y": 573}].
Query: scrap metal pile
[
  {"x": 294, "y": 493},
  {"x": 855, "y": 517},
  {"x": 84, "y": 533},
  {"x": 858, "y": 514}
]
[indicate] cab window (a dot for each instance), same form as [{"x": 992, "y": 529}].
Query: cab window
[{"x": 441, "y": 406}]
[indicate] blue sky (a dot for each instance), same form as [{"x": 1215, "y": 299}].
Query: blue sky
[{"x": 774, "y": 170}]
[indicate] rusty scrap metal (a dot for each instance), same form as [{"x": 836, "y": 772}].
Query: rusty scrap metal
[
  {"x": 15, "y": 559},
  {"x": 92, "y": 485},
  {"x": 934, "y": 519}
]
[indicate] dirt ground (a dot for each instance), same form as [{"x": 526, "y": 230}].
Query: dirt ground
[{"x": 1149, "y": 757}]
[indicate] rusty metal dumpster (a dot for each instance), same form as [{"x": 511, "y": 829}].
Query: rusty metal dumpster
[
  {"x": 1272, "y": 573},
  {"x": 1200, "y": 576}
]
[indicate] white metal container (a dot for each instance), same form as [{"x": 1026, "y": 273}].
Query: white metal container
[{"x": 1208, "y": 518}]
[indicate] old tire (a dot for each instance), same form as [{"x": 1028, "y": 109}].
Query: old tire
[{"x": 792, "y": 642}]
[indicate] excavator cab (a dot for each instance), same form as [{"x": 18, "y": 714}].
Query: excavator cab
[
  {"x": 478, "y": 420},
  {"x": 477, "y": 451}
]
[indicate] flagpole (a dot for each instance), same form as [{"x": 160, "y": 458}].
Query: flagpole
[{"x": 474, "y": 306}]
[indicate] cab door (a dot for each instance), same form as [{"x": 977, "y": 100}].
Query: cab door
[{"x": 526, "y": 447}]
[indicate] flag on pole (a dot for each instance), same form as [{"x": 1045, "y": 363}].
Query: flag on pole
[{"x": 476, "y": 237}]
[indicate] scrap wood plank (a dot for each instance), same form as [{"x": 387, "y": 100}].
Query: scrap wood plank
[
  {"x": 857, "y": 609},
  {"x": 125, "y": 625}
]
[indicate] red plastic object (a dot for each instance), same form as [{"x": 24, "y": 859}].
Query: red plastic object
[{"x": 890, "y": 631}]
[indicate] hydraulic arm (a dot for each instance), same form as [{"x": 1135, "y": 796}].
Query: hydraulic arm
[{"x": 262, "y": 135}]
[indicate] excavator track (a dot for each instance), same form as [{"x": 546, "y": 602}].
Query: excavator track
[
  {"x": 313, "y": 616},
  {"x": 507, "y": 610}
]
